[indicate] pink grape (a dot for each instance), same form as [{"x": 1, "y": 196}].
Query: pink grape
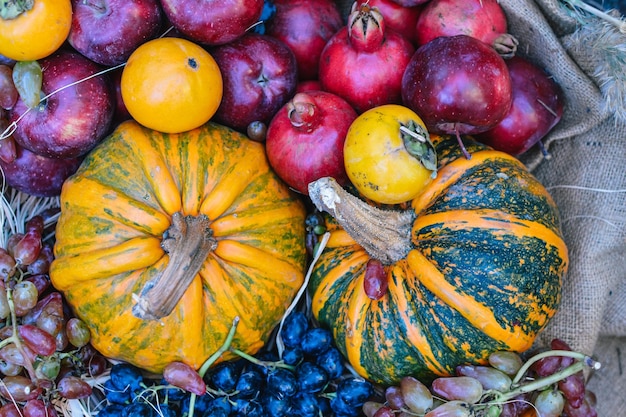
[
  {"x": 7, "y": 264},
  {"x": 18, "y": 388},
  {"x": 184, "y": 376},
  {"x": 5, "y": 310},
  {"x": 35, "y": 224},
  {"x": 394, "y": 397},
  {"x": 41, "y": 265},
  {"x": 375, "y": 283},
  {"x": 573, "y": 389},
  {"x": 463, "y": 388},
  {"x": 8, "y": 92},
  {"x": 585, "y": 410},
  {"x": 490, "y": 378},
  {"x": 73, "y": 387},
  {"x": 384, "y": 412},
  {"x": 416, "y": 395},
  {"x": 35, "y": 408},
  {"x": 10, "y": 410},
  {"x": 40, "y": 341},
  {"x": 450, "y": 409},
  {"x": 41, "y": 282},
  {"x": 27, "y": 249}
]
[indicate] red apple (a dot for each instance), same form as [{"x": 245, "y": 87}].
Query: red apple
[
  {"x": 212, "y": 22},
  {"x": 108, "y": 31},
  {"x": 259, "y": 75},
  {"x": 37, "y": 175},
  {"x": 305, "y": 26},
  {"x": 536, "y": 108},
  {"x": 75, "y": 118}
]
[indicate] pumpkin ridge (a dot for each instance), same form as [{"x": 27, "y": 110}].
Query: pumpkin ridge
[
  {"x": 136, "y": 253},
  {"x": 413, "y": 334},
  {"x": 145, "y": 143},
  {"x": 499, "y": 222},
  {"x": 479, "y": 315},
  {"x": 453, "y": 171}
]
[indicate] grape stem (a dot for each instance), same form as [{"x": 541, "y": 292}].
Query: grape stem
[
  {"x": 15, "y": 339},
  {"x": 266, "y": 364},
  {"x": 214, "y": 357},
  {"x": 539, "y": 384}
]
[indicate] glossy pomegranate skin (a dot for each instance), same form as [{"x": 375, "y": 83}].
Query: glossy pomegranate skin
[
  {"x": 305, "y": 139},
  {"x": 365, "y": 61}
]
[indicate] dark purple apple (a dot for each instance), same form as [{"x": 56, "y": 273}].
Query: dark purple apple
[
  {"x": 212, "y": 22},
  {"x": 37, "y": 175},
  {"x": 305, "y": 26},
  {"x": 75, "y": 118},
  {"x": 108, "y": 31},
  {"x": 259, "y": 75},
  {"x": 537, "y": 107},
  {"x": 457, "y": 85}
]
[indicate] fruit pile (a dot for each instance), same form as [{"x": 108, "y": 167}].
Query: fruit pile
[{"x": 219, "y": 120}]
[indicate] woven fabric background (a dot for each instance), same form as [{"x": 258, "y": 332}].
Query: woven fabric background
[{"x": 586, "y": 175}]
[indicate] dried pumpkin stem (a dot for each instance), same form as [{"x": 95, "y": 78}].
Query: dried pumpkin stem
[
  {"x": 384, "y": 234},
  {"x": 188, "y": 241}
]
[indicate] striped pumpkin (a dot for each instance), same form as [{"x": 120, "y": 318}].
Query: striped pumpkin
[
  {"x": 474, "y": 264},
  {"x": 164, "y": 239}
]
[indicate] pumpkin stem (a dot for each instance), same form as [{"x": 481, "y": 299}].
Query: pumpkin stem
[
  {"x": 384, "y": 234},
  {"x": 188, "y": 242}
]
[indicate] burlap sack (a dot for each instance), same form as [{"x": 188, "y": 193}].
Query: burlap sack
[{"x": 586, "y": 175}]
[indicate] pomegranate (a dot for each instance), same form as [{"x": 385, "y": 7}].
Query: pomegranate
[
  {"x": 536, "y": 108},
  {"x": 306, "y": 136},
  {"x": 402, "y": 19},
  {"x": 364, "y": 62},
  {"x": 481, "y": 19},
  {"x": 458, "y": 85},
  {"x": 305, "y": 26}
]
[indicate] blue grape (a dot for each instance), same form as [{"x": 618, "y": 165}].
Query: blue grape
[
  {"x": 249, "y": 383},
  {"x": 126, "y": 375},
  {"x": 167, "y": 410},
  {"x": 294, "y": 328},
  {"x": 139, "y": 409},
  {"x": 341, "y": 408},
  {"x": 116, "y": 395},
  {"x": 282, "y": 383},
  {"x": 218, "y": 412},
  {"x": 224, "y": 376},
  {"x": 332, "y": 362},
  {"x": 354, "y": 391},
  {"x": 172, "y": 393},
  {"x": 293, "y": 355},
  {"x": 311, "y": 378},
  {"x": 112, "y": 410},
  {"x": 248, "y": 408},
  {"x": 276, "y": 407},
  {"x": 316, "y": 341},
  {"x": 304, "y": 404}
]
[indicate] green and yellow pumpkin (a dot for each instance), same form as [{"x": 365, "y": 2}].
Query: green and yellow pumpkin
[
  {"x": 164, "y": 239},
  {"x": 473, "y": 264}
]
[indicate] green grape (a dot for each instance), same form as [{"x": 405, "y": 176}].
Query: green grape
[
  {"x": 463, "y": 388},
  {"x": 48, "y": 368},
  {"x": 450, "y": 409},
  {"x": 549, "y": 403},
  {"x": 416, "y": 395},
  {"x": 505, "y": 361},
  {"x": 77, "y": 332}
]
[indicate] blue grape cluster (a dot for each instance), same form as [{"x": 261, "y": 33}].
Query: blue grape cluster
[{"x": 309, "y": 379}]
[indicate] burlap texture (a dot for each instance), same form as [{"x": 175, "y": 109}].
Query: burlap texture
[{"x": 586, "y": 175}]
